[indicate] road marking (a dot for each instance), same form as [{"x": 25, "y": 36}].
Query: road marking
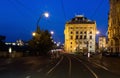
[
  {"x": 101, "y": 66},
  {"x": 94, "y": 74},
  {"x": 69, "y": 66},
  {"x": 28, "y": 77},
  {"x": 55, "y": 66}
]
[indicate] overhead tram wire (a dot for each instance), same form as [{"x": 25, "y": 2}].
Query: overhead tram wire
[{"x": 96, "y": 10}]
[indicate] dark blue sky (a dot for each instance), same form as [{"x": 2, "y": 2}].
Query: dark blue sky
[{"x": 18, "y": 17}]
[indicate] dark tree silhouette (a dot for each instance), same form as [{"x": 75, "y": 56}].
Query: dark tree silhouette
[{"x": 41, "y": 43}]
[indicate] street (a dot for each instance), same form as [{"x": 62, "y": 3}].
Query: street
[{"x": 67, "y": 66}]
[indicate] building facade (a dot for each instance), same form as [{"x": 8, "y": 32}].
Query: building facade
[
  {"x": 102, "y": 43},
  {"x": 114, "y": 26},
  {"x": 80, "y": 34}
]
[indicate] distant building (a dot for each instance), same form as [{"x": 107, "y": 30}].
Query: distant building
[
  {"x": 102, "y": 43},
  {"x": 17, "y": 43},
  {"x": 80, "y": 34},
  {"x": 114, "y": 26}
]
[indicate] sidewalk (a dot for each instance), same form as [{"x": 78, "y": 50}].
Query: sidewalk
[{"x": 111, "y": 63}]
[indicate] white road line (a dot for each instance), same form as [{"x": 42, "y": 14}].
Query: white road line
[
  {"x": 55, "y": 66},
  {"x": 69, "y": 66},
  {"x": 101, "y": 66},
  {"x": 94, "y": 74},
  {"x": 28, "y": 77}
]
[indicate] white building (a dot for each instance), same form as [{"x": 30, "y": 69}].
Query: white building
[{"x": 80, "y": 34}]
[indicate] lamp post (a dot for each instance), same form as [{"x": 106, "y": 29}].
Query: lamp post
[
  {"x": 97, "y": 33},
  {"x": 46, "y": 14}
]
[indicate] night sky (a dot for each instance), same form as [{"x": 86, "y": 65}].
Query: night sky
[{"x": 18, "y": 18}]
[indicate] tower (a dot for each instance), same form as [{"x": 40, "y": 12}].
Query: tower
[{"x": 114, "y": 26}]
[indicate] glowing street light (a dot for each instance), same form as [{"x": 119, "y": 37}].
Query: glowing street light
[
  {"x": 33, "y": 33},
  {"x": 46, "y": 14},
  {"x": 51, "y": 32},
  {"x": 98, "y": 32}
]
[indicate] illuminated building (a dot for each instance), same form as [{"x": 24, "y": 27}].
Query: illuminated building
[
  {"x": 102, "y": 43},
  {"x": 114, "y": 26},
  {"x": 80, "y": 34}
]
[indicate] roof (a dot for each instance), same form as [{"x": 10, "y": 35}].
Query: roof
[{"x": 80, "y": 19}]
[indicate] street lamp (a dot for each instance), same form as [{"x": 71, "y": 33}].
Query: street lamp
[
  {"x": 97, "y": 32},
  {"x": 34, "y": 34},
  {"x": 46, "y": 14},
  {"x": 51, "y": 32}
]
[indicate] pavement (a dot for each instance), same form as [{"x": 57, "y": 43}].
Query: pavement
[{"x": 111, "y": 64}]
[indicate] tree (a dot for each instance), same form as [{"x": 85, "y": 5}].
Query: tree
[
  {"x": 2, "y": 42},
  {"x": 41, "y": 43}
]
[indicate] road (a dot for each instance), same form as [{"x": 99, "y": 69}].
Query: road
[{"x": 67, "y": 66}]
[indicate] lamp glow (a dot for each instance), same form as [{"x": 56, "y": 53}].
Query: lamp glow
[{"x": 46, "y": 14}]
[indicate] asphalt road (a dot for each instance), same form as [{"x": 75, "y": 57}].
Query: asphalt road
[{"x": 67, "y": 66}]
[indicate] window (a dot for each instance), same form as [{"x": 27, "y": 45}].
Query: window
[
  {"x": 76, "y": 27},
  {"x": 85, "y": 37},
  {"x": 81, "y": 32},
  {"x": 71, "y": 37},
  {"x": 76, "y": 32},
  {"x": 71, "y": 27},
  {"x": 76, "y": 36},
  {"x": 90, "y": 37},
  {"x": 85, "y": 32},
  {"x": 80, "y": 36},
  {"x": 71, "y": 43},
  {"x": 90, "y": 46},
  {"x": 71, "y": 32},
  {"x": 90, "y": 32}
]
